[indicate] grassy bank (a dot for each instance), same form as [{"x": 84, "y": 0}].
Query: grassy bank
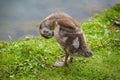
[{"x": 32, "y": 58}]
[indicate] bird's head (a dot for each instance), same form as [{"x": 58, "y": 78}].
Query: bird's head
[{"x": 46, "y": 29}]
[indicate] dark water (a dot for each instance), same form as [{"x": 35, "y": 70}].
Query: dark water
[{"x": 19, "y": 17}]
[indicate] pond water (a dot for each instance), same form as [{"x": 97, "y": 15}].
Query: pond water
[{"x": 19, "y": 17}]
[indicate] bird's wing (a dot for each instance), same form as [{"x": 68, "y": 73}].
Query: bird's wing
[{"x": 67, "y": 23}]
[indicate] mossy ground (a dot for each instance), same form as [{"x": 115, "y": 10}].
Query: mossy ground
[{"x": 32, "y": 58}]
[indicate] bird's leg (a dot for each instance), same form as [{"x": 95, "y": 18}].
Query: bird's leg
[
  {"x": 66, "y": 58},
  {"x": 70, "y": 59},
  {"x": 63, "y": 63}
]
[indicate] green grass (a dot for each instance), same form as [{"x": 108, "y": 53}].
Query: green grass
[{"x": 32, "y": 58}]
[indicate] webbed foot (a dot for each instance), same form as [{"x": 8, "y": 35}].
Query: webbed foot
[{"x": 59, "y": 64}]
